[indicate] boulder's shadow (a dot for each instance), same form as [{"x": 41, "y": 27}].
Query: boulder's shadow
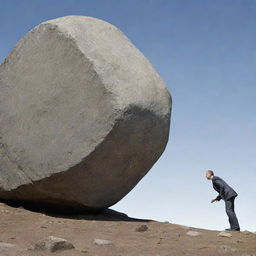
[{"x": 53, "y": 211}]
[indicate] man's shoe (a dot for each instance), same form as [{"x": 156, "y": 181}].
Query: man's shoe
[{"x": 232, "y": 229}]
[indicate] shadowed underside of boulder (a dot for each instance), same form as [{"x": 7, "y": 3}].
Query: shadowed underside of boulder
[
  {"x": 84, "y": 115},
  {"x": 107, "y": 174}
]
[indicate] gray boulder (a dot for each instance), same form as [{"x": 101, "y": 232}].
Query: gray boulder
[{"x": 84, "y": 115}]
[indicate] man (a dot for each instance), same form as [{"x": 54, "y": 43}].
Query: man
[{"x": 227, "y": 194}]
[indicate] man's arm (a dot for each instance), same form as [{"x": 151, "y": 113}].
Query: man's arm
[
  {"x": 221, "y": 186},
  {"x": 218, "y": 198}
]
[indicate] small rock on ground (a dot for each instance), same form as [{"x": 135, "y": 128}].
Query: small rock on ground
[
  {"x": 52, "y": 244},
  {"x": 142, "y": 228},
  {"x": 247, "y": 232},
  {"x": 102, "y": 242},
  {"x": 193, "y": 233},
  {"x": 224, "y": 234},
  {"x": 6, "y": 245}
]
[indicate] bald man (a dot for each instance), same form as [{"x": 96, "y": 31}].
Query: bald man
[{"x": 227, "y": 194}]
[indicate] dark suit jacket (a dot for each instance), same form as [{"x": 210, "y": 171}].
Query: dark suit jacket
[{"x": 224, "y": 190}]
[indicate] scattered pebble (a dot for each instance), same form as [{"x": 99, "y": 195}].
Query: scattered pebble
[
  {"x": 247, "y": 232},
  {"x": 102, "y": 242},
  {"x": 203, "y": 247},
  {"x": 6, "y": 245},
  {"x": 224, "y": 234},
  {"x": 6, "y": 211},
  {"x": 160, "y": 240},
  {"x": 225, "y": 249},
  {"x": 142, "y": 228},
  {"x": 193, "y": 233}
]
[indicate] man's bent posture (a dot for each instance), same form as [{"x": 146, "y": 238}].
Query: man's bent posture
[{"x": 227, "y": 194}]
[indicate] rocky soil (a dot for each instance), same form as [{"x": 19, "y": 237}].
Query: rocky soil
[{"x": 28, "y": 231}]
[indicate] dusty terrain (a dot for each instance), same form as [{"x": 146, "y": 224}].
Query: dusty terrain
[{"x": 24, "y": 227}]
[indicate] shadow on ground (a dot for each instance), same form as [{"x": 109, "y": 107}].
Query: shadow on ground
[{"x": 104, "y": 215}]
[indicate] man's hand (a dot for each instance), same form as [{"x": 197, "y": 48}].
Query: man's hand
[{"x": 214, "y": 200}]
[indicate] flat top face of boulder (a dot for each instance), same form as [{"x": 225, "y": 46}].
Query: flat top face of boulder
[{"x": 123, "y": 68}]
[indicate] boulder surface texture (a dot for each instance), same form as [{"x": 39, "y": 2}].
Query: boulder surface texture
[{"x": 83, "y": 115}]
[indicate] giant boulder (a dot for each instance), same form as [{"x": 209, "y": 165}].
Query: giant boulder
[{"x": 83, "y": 115}]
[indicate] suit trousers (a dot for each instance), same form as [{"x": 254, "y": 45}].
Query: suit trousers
[{"x": 230, "y": 210}]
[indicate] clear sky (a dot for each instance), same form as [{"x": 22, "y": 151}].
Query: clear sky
[{"x": 206, "y": 53}]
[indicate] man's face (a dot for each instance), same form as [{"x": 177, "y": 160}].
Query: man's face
[{"x": 208, "y": 175}]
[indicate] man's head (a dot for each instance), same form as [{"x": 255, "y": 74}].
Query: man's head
[{"x": 209, "y": 174}]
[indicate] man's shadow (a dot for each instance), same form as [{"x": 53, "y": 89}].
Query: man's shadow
[{"x": 56, "y": 211}]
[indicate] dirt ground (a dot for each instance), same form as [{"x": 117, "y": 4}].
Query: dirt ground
[{"x": 25, "y": 226}]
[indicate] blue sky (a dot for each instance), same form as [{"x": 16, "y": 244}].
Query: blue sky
[{"x": 206, "y": 53}]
